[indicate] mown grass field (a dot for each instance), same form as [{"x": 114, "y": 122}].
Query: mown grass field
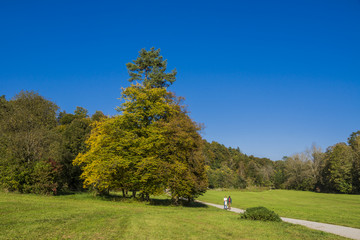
[
  {"x": 82, "y": 216},
  {"x": 340, "y": 209}
]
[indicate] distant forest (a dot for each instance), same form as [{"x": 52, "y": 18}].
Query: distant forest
[{"x": 38, "y": 145}]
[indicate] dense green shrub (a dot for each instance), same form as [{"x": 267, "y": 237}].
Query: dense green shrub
[{"x": 260, "y": 213}]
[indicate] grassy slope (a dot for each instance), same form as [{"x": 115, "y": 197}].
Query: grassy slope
[
  {"x": 340, "y": 209},
  {"x": 82, "y": 216}
]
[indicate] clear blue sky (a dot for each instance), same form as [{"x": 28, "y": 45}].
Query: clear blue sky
[{"x": 271, "y": 77}]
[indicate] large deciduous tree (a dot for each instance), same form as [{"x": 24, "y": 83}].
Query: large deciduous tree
[
  {"x": 153, "y": 145},
  {"x": 337, "y": 170},
  {"x": 29, "y": 144}
]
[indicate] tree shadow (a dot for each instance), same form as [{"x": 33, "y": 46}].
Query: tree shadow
[
  {"x": 111, "y": 197},
  {"x": 65, "y": 193},
  {"x": 168, "y": 202},
  {"x": 114, "y": 198},
  {"x": 70, "y": 192}
]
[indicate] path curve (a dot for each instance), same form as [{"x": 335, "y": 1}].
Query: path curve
[{"x": 353, "y": 233}]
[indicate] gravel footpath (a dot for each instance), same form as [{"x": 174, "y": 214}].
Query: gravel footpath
[{"x": 352, "y": 233}]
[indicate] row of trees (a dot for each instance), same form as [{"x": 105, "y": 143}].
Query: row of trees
[
  {"x": 335, "y": 170},
  {"x": 38, "y": 146}
]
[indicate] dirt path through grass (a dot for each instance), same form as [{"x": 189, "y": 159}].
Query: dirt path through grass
[{"x": 352, "y": 233}]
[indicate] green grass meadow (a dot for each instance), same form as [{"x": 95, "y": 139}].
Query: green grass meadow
[
  {"x": 339, "y": 209},
  {"x": 83, "y": 216}
]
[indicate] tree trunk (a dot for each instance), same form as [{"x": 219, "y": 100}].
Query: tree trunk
[{"x": 175, "y": 200}]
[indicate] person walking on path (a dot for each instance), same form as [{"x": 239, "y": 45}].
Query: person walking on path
[
  {"x": 225, "y": 202},
  {"x": 229, "y": 201}
]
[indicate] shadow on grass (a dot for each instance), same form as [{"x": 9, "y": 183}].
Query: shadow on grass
[
  {"x": 71, "y": 192},
  {"x": 153, "y": 201},
  {"x": 114, "y": 198},
  {"x": 168, "y": 202},
  {"x": 66, "y": 193}
]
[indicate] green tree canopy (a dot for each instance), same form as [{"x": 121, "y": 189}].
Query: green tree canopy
[
  {"x": 150, "y": 68},
  {"x": 30, "y": 144},
  {"x": 98, "y": 116},
  {"x": 337, "y": 169}
]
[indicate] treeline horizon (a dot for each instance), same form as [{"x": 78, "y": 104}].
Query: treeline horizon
[{"x": 60, "y": 136}]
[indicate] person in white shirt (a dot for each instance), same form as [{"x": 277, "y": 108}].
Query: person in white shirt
[{"x": 225, "y": 202}]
